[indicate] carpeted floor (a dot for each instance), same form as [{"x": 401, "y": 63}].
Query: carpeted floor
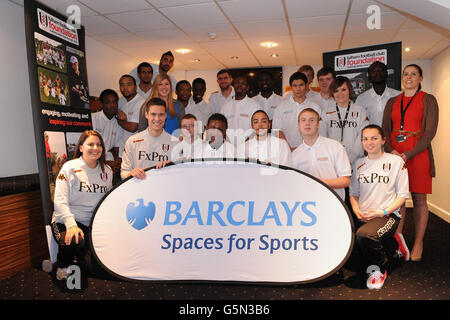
[{"x": 425, "y": 280}]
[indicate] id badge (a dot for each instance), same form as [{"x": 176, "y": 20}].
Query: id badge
[{"x": 400, "y": 138}]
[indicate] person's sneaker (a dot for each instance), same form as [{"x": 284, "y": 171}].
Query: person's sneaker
[
  {"x": 376, "y": 280},
  {"x": 403, "y": 250},
  {"x": 61, "y": 274}
]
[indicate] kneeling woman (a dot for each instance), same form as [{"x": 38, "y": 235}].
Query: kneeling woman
[
  {"x": 379, "y": 187},
  {"x": 80, "y": 185}
]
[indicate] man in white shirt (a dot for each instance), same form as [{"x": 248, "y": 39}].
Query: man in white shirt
[
  {"x": 239, "y": 112},
  {"x": 165, "y": 64},
  {"x": 267, "y": 99},
  {"x": 325, "y": 77},
  {"x": 225, "y": 94},
  {"x": 105, "y": 123},
  {"x": 264, "y": 146},
  {"x": 286, "y": 114},
  {"x": 149, "y": 147},
  {"x": 190, "y": 145},
  {"x": 216, "y": 144},
  {"x": 374, "y": 100},
  {"x": 129, "y": 108},
  {"x": 145, "y": 75},
  {"x": 308, "y": 71},
  {"x": 323, "y": 158},
  {"x": 197, "y": 106}
]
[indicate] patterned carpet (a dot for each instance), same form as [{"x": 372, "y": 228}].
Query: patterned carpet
[{"x": 425, "y": 280}]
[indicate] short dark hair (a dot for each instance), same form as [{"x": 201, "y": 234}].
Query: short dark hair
[
  {"x": 298, "y": 76},
  {"x": 144, "y": 65},
  {"x": 168, "y": 53},
  {"x": 179, "y": 83},
  {"x": 218, "y": 117},
  {"x": 128, "y": 76},
  {"x": 223, "y": 71},
  {"x": 199, "y": 81},
  {"x": 155, "y": 102},
  {"x": 107, "y": 92},
  {"x": 258, "y": 111},
  {"x": 265, "y": 72},
  {"x": 324, "y": 71},
  {"x": 374, "y": 126},
  {"x": 309, "y": 110}
]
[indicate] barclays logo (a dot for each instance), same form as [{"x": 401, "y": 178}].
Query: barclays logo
[{"x": 141, "y": 215}]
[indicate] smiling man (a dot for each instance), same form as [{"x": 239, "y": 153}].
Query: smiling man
[
  {"x": 146, "y": 148},
  {"x": 321, "y": 157},
  {"x": 239, "y": 112},
  {"x": 285, "y": 115}
]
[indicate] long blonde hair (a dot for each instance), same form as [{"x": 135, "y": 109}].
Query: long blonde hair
[{"x": 155, "y": 94}]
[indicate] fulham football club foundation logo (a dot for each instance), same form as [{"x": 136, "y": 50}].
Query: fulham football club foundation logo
[
  {"x": 104, "y": 176},
  {"x": 340, "y": 62},
  {"x": 165, "y": 147},
  {"x": 386, "y": 167}
]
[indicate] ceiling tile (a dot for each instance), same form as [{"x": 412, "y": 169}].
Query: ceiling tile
[
  {"x": 144, "y": 20},
  {"x": 251, "y": 10},
  {"x": 360, "y": 6},
  {"x": 388, "y": 20},
  {"x": 266, "y": 28},
  {"x": 165, "y": 36},
  {"x": 195, "y": 14},
  {"x": 115, "y": 6},
  {"x": 436, "y": 48},
  {"x": 308, "y": 8},
  {"x": 99, "y": 25},
  {"x": 317, "y": 25},
  {"x": 372, "y": 37},
  {"x": 228, "y": 46},
  {"x": 284, "y": 42},
  {"x": 124, "y": 41},
  {"x": 62, "y": 5},
  {"x": 222, "y": 31},
  {"x": 317, "y": 41},
  {"x": 176, "y": 3}
]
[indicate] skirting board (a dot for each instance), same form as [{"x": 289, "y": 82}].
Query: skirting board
[{"x": 441, "y": 213}]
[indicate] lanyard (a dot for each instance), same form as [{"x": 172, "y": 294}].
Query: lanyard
[
  {"x": 402, "y": 112},
  {"x": 342, "y": 123}
]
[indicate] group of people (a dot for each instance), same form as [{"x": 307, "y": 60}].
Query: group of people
[{"x": 373, "y": 152}]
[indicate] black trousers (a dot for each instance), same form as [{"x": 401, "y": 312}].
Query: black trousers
[
  {"x": 376, "y": 242},
  {"x": 67, "y": 253}
]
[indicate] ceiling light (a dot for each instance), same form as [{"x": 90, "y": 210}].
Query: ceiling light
[
  {"x": 407, "y": 49},
  {"x": 251, "y": 74},
  {"x": 274, "y": 55},
  {"x": 269, "y": 44},
  {"x": 183, "y": 50},
  {"x": 234, "y": 57},
  {"x": 196, "y": 60}
]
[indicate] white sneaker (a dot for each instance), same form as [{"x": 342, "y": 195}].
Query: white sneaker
[
  {"x": 61, "y": 273},
  {"x": 376, "y": 280}
]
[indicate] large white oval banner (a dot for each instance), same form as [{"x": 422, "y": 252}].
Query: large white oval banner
[{"x": 222, "y": 221}]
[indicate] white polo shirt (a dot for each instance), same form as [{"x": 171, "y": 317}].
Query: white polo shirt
[
  {"x": 200, "y": 110},
  {"x": 350, "y": 137},
  {"x": 185, "y": 150},
  {"x": 326, "y": 159},
  {"x": 378, "y": 182},
  {"x": 110, "y": 131},
  {"x": 322, "y": 102},
  {"x": 217, "y": 100},
  {"x": 268, "y": 104},
  {"x": 374, "y": 104},
  {"x": 144, "y": 95},
  {"x": 271, "y": 149},
  {"x": 285, "y": 118},
  {"x": 226, "y": 150},
  {"x": 131, "y": 109},
  {"x": 144, "y": 151}
]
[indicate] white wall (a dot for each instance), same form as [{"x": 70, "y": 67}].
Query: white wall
[
  {"x": 439, "y": 201},
  {"x": 16, "y": 124}
]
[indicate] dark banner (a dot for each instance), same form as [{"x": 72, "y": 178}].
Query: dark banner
[
  {"x": 353, "y": 64},
  {"x": 59, "y": 92}
]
